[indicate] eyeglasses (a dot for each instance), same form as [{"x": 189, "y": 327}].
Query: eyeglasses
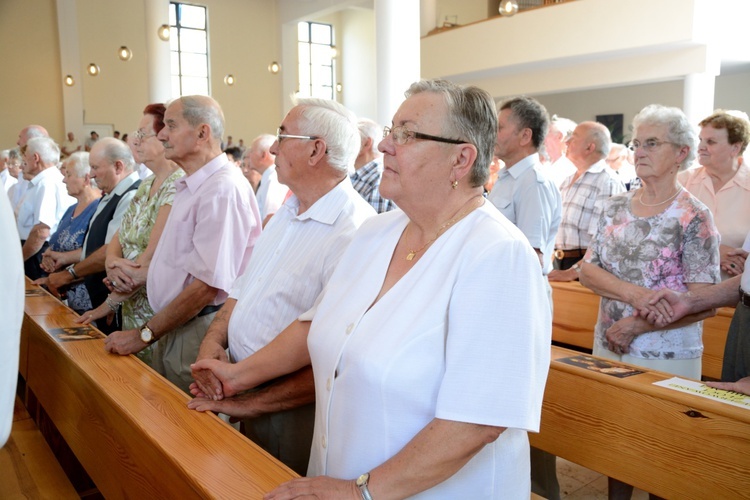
[
  {"x": 649, "y": 145},
  {"x": 140, "y": 135},
  {"x": 280, "y": 136},
  {"x": 401, "y": 135}
]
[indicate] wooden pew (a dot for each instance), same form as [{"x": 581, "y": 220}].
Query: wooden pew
[
  {"x": 129, "y": 427},
  {"x": 669, "y": 443},
  {"x": 575, "y": 312}
]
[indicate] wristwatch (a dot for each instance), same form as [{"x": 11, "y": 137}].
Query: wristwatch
[
  {"x": 362, "y": 485},
  {"x": 576, "y": 267},
  {"x": 147, "y": 336},
  {"x": 72, "y": 270}
]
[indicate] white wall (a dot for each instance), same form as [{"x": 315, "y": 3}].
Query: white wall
[{"x": 358, "y": 68}]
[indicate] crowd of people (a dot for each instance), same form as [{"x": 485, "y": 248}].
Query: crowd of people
[{"x": 328, "y": 285}]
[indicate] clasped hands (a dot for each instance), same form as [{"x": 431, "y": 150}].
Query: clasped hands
[
  {"x": 652, "y": 308},
  {"x": 124, "y": 275}
]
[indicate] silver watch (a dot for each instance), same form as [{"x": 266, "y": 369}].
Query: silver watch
[{"x": 362, "y": 485}]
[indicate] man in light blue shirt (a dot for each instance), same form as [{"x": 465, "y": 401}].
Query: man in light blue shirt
[{"x": 522, "y": 193}]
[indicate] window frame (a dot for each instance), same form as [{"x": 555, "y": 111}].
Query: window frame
[{"x": 176, "y": 38}]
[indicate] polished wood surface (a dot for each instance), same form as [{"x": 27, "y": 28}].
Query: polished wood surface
[
  {"x": 576, "y": 309},
  {"x": 669, "y": 443},
  {"x": 130, "y": 428},
  {"x": 28, "y": 469}
]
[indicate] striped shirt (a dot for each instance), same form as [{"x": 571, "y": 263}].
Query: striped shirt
[{"x": 292, "y": 261}]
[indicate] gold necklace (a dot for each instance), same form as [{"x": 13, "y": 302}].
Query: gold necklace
[
  {"x": 640, "y": 199},
  {"x": 441, "y": 229}
]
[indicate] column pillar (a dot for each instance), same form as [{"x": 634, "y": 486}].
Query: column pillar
[
  {"x": 397, "y": 27},
  {"x": 70, "y": 64},
  {"x": 698, "y": 96},
  {"x": 156, "y": 13}
]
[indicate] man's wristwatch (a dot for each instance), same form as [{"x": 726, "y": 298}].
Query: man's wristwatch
[
  {"x": 362, "y": 485},
  {"x": 147, "y": 336},
  {"x": 72, "y": 270}
]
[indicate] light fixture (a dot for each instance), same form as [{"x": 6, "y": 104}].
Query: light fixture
[
  {"x": 124, "y": 53},
  {"x": 274, "y": 68},
  {"x": 339, "y": 88},
  {"x": 163, "y": 32},
  {"x": 334, "y": 52},
  {"x": 508, "y": 8},
  {"x": 229, "y": 80},
  {"x": 93, "y": 69},
  {"x": 69, "y": 81}
]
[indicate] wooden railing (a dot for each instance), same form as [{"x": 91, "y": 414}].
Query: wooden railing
[
  {"x": 575, "y": 312},
  {"x": 129, "y": 427}
]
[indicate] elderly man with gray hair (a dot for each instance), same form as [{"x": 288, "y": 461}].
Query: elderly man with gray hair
[
  {"x": 583, "y": 195},
  {"x": 44, "y": 203},
  {"x": 205, "y": 245},
  {"x": 296, "y": 254},
  {"x": 368, "y": 167},
  {"x": 7, "y": 180},
  {"x": 112, "y": 167}
]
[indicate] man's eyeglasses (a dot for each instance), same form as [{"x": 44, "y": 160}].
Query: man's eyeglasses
[
  {"x": 401, "y": 135},
  {"x": 280, "y": 136},
  {"x": 140, "y": 135},
  {"x": 649, "y": 145}
]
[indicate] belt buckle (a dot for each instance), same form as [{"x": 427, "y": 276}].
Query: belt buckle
[{"x": 559, "y": 254}]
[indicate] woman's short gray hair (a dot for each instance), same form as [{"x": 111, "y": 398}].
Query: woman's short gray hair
[
  {"x": 199, "y": 109},
  {"x": 679, "y": 129},
  {"x": 472, "y": 116},
  {"x": 336, "y": 125},
  {"x": 78, "y": 162},
  {"x": 46, "y": 148}
]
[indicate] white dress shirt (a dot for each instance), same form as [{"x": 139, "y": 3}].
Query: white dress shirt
[
  {"x": 122, "y": 206},
  {"x": 45, "y": 202}
]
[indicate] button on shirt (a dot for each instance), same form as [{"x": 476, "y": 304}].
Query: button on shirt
[
  {"x": 366, "y": 181},
  {"x": 45, "y": 202},
  {"x": 532, "y": 202},
  {"x": 582, "y": 204},
  {"x": 209, "y": 235},
  {"x": 291, "y": 263}
]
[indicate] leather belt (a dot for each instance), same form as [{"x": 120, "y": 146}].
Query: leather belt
[
  {"x": 576, "y": 253},
  {"x": 209, "y": 309},
  {"x": 744, "y": 298}
]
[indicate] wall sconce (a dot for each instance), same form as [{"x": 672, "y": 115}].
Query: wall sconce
[
  {"x": 229, "y": 80},
  {"x": 339, "y": 88},
  {"x": 93, "y": 69},
  {"x": 124, "y": 53},
  {"x": 69, "y": 81},
  {"x": 163, "y": 32},
  {"x": 334, "y": 52},
  {"x": 274, "y": 68},
  {"x": 508, "y": 8}
]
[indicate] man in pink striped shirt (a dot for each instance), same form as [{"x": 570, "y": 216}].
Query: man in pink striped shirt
[{"x": 206, "y": 243}]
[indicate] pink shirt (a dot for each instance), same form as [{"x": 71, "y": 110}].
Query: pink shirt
[
  {"x": 209, "y": 235},
  {"x": 730, "y": 206}
]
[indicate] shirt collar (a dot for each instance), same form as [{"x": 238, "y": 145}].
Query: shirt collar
[
  {"x": 327, "y": 209},
  {"x": 597, "y": 167},
  {"x": 124, "y": 184},
  {"x": 50, "y": 172},
  {"x": 522, "y": 166},
  {"x": 194, "y": 181}
]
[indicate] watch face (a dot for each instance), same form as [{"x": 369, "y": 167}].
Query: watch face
[
  {"x": 146, "y": 334},
  {"x": 362, "y": 480}
]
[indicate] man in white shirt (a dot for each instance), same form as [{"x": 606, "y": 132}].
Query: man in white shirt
[
  {"x": 70, "y": 146},
  {"x": 270, "y": 193},
  {"x": 44, "y": 203},
  {"x": 555, "y": 145},
  {"x": 292, "y": 261}
]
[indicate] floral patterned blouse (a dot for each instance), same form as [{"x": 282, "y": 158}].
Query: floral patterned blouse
[
  {"x": 71, "y": 231},
  {"x": 135, "y": 232},
  {"x": 668, "y": 250}
]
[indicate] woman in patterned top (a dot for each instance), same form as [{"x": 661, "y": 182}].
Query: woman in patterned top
[
  {"x": 657, "y": 236},
  {"x": 142, "y": 224},
  {"x": 65, "y": 244}
]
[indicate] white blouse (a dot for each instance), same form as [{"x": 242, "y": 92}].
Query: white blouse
[{"x": 463, "y": 336}]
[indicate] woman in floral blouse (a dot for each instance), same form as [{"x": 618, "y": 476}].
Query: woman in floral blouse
[
  {"x": 141, "y": 227},
  {"x": 658, "y": 236}
]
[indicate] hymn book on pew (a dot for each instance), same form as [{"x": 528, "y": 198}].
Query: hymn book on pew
[{"x": 702, "y": 390}]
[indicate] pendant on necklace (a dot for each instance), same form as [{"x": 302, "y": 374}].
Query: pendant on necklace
[{"x": 411, "y": 255}]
